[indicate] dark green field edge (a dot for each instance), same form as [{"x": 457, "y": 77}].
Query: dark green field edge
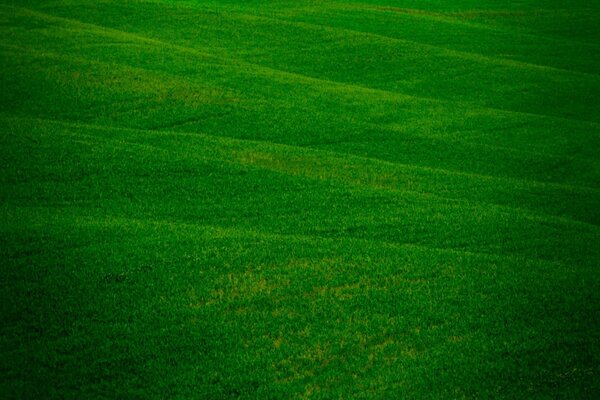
[{"x": 378, "y": 132}]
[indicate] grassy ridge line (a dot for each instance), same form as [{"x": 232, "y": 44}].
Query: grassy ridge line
[
  {"x": 341, "y": 157},
  {"x": 511, "y": 35},
  {"x": 353, "y": 32},
  {"x": 269, "y": 71},
  {"x": 460, "y": 139},
  {"x": 239, "y": 63},
  {"x": 103, "y": 30},
  {"x": 368, "y": 212},
  {"x": 423, "y": 92},
  {"x": 38, "y": 217},
  {"x": 296, "y": 10},
  {"x": 545, "y": 200},
  {"x": 562, "y": 23},
  {"x": 443, "y": 50},
  {"x": 467, "y": 55},
  {"x": 450, "y": 141}
]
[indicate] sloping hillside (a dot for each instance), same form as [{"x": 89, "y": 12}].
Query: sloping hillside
[{"x": 300, "y": 199}]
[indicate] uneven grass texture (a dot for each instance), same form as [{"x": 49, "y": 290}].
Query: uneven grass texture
[{"x": 344, "y": 199}]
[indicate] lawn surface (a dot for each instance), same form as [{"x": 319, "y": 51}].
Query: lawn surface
[{"x": 343, "y": 199}]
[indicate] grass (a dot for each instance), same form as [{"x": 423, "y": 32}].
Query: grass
[{"x": 296, "y": 199}]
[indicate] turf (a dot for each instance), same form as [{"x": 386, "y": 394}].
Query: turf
[{"x": 300, "y": 199}]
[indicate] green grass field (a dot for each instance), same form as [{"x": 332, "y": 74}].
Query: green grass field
[{"x": 369, "y": 199}]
